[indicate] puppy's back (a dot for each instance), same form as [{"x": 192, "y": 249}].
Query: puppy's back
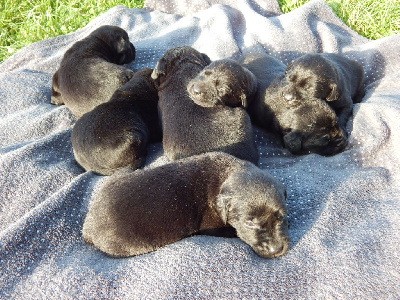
[
  {"x": 115, "y": 134},
  {"x": 89, "y": 73},
  {"x": 189, "y": 129},
  {"x": 138, "y": 212},
  {"x": 269, "y": 72},
  {"x": 265, "y": 67}
]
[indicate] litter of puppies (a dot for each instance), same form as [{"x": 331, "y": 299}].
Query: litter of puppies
[{"x": 203, "y": 112}]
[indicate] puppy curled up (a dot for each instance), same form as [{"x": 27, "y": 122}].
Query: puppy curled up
[
  {"x": 307, "y": 126},
  {"x": 91, "y": 70},
  {"x": 189, "y": 129},
  {"x": 330, "y": 77},
  {"x": 311, "y": 127},
  {"x": 115, "y": 134},
  {"x": 139, "y": 212},
  {"x": 223, "y": 82}
]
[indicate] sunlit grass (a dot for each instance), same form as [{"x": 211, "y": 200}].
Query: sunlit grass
[
  {"x": 372, "y": 19},
  {"x": 27, "y": 21}
]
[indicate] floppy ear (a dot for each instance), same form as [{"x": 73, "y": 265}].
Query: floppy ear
[
  {"x": 121, "y": 45},
  {"x": 159, "y": 69},
  {"x": 289, "y": 66},
  {"x": 334, "y": 93},
  {"x": 222, "y": 207},
  {"x": 252, "y": 84},
  {"x": 243, "y": 100},
  {"x": 206, "y": 58}
]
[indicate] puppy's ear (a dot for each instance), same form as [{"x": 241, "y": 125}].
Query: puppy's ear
[
  {"x": 56, "y": 98},
  {"x": 159, "y": 70},
  {"x": 222, "y": 204},
  {"x": 252, "y": 86},
  {"x": 243, "y": 100},
  {"x": 289, "y": 66},
  {"x": 121, "y": 45},
  {"x": 206, "y": 58},
  {"x": 334, "y": 93}
]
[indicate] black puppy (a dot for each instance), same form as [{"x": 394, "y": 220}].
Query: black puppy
[
  {"x": 89, "y": 72},
  {"x": 311, "y": 127},
  {"x": 138, "y": 212},
  {"x": 115, "y": 134},
  {"x": 223, "y": 82},
  {"x": 327, "y": 76},
  {"x": 189, "y": 129},
  {"x": 305, "y": 126},
  {"x": 264, "y": 110}
]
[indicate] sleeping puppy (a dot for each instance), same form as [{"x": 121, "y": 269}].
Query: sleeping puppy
[
  {"x": 264, "y": 110},
  {"x": 138, "y": 212},
  {"x": 305, "y": 126},
  {"x": 311, "y": 127},
  {"x": 327, "y": 76},
  {"x": 115, "y": 134},
  {"x": 189, "y": 129},
  {"x": 223, "y": 82},
  {"x": 89, "y": 72}
]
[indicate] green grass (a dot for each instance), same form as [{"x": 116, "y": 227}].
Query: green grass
[
  {"x": 27, "y": 21},
  {"x": 370, "y": 18}
]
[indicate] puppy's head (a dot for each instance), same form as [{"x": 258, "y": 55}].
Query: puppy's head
[
  {"x": 117, "y": 39},
  {"x": 313, "y": 127},
  {"x": 176, "y": 57},
  {"x": 311, "y": 76},
  {"x": 223, "y": 82},
  {"x": 253, "y": 202}
]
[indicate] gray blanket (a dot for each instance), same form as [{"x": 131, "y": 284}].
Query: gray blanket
[{"x": 344, "y": 211}]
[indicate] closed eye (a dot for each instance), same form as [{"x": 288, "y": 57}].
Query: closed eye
[
  {"x": 250, "y": 223},
  {"x": 279, "y": 216},
  {"x": 303, "y": 83}
]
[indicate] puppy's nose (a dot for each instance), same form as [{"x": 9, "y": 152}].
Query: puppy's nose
[
  {"x": 195, "y": 89},
  {"x": 288, "y": 97},
  {"x": 275, "y": 249}
]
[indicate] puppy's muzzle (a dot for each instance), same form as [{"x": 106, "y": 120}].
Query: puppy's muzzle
[
  {"x": 290, "y": 99},
  {"x": 194, "y": 89},
  {"x": 272, "y": 249}
]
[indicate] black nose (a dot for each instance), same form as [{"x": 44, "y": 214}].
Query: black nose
[
  {"x": 275, "y": 249},
  {"x": 288, "y": 97},
  {"x": 195, "y": 89}
]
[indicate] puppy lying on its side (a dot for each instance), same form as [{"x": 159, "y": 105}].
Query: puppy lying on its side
[
  {"x": 327, "y": 76},
  {"x": 115, "y": 134},
  {"x": 223, "y": 82},
  {"x": 305, "y": 126},
  {"x": 89, "y": 72},
  {"x": 138, "y": 212},
  {"x": 189, "y": 129}
]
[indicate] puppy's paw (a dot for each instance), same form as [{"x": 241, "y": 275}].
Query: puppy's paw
[
  {"x": 56, "y": 99},
  {"x": 128, "y": 74},
  {"x": 292, "y": 142}
]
